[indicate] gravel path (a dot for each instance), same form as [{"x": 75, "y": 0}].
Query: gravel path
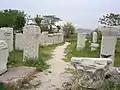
[{"x": 55, "y": 76}]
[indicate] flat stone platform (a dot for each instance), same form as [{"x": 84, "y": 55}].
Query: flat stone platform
[{"x": 15, "y": 75}]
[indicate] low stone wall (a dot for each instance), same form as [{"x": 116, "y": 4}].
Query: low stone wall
[
  {"x": 49, "y": 39},
  {"x": 44, "y": 39}
]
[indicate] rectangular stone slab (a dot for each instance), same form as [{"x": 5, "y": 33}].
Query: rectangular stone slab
[{"x": 94, "y": 63}]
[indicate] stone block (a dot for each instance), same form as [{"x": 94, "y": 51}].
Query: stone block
[
  {"x": 19, "y": 41},
  {"x": 80, "y": 41},
  {"x": 31, "y": 36},
  {"x": 91, "y": 72},
  {"x": 6, "y": 33},
  {"x": 3, "y": 56}
]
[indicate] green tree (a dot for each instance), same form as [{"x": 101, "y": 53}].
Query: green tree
[
  {"x": 38, "y": 19},
  {"x": 68, "y": 29},
  {"x": 12, "y": 18},
  {"x": 49, "y": 20},
  {"x": 46, "y": 22},
  {"x": 110, "y": 19}
]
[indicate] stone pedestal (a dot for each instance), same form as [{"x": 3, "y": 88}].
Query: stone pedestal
[
  {"x": 94, "y": 46},
  {"x": 31, "y": 36},
  {"x": 80, "y": 41},
  {"x": 6, "y": 34},
  {"x": 91, "y": 72},
  {"x": 3, "y": 56},
  {"x": 109, "y": 38}
]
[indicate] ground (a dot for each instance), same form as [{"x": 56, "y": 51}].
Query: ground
[{"x": 54, "y": 77}]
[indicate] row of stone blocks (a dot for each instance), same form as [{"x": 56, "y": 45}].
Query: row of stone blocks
[
  {"x": 28, "y": 41},
  {"x": 43, "y": 38}
]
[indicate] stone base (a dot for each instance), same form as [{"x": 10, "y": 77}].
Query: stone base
[
  {"x": 79, "y": 48},
  {"x": 3, "y": 71},
  {"x": 94, "y": 46},
  {"x": 15, "y": 76}
]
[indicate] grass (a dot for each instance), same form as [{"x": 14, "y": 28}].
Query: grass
[
  {"x": 72, "y": 52},
  {"x": 16, "y": 58}
]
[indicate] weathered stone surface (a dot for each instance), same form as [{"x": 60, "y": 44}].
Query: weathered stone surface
[
  {"x": 113, "y": 75},
  {"x": 35, "y": 82},
  {"x": 31, "y": 36},
  {"x": 80, "y": 41},
  {"x": 19, "y": 41},
  {"x": 16, "y": 75},
  {"x": 109, "y": 38},
  {"x": 91, "y": 72},
  {"x": 3, "y": 56},
  {"x": 6, "y": 33}
]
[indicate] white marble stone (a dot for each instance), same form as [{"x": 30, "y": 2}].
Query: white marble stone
[
  {"x": 31, "y": 36},
  {"x": 6, "y": 34},
  {"x": 94, "y": 39},
  {"x": 19, "y": 41},
  {"x": 3, "y": 56},
  {"x": 45, "y": 36},
  {"x": 108, "y": 43},
  {"x": 41, "y": 39},
  {"x": 91, "y": 72},
  {"x": 50, "y": 39},
  {"x": 55, "y": 35},
  {"x": 80, "y": 41}
]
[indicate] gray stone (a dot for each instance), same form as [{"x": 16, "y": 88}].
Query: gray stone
[
  {"x": 26, "y": 85},
  {"x": 35, "y": 82},
  {"x": 91, "y": 72},
  {"x": 3, "y": 56},
  {"x": 113, "y": 75},
  {"x": 16, "y": 75}
]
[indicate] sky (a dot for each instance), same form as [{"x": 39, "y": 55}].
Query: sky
[{"x": 82, "y": 13}]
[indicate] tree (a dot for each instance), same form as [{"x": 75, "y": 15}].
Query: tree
[
  {"x": 46, "y": 22},
  {"x": 68, "y": 29},
  {"x": 50, "y": 20},
  {"x": 110, "y": 19},
  {"x": 12, "y": 18},
  {"x": 38, "y": 20}
]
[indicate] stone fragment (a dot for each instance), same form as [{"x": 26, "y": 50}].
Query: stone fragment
[
  {"x": 91, "y": 72},
  {"x": 3, "y": 56}
]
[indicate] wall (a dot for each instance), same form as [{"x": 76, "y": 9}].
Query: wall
[{"x": 44, "y": 39}]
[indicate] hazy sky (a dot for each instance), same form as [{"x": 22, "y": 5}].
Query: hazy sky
[{"x": 82, "y": 13}]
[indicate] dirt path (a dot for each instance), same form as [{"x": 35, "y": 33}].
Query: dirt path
[{"x": 54, "y": 77}]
